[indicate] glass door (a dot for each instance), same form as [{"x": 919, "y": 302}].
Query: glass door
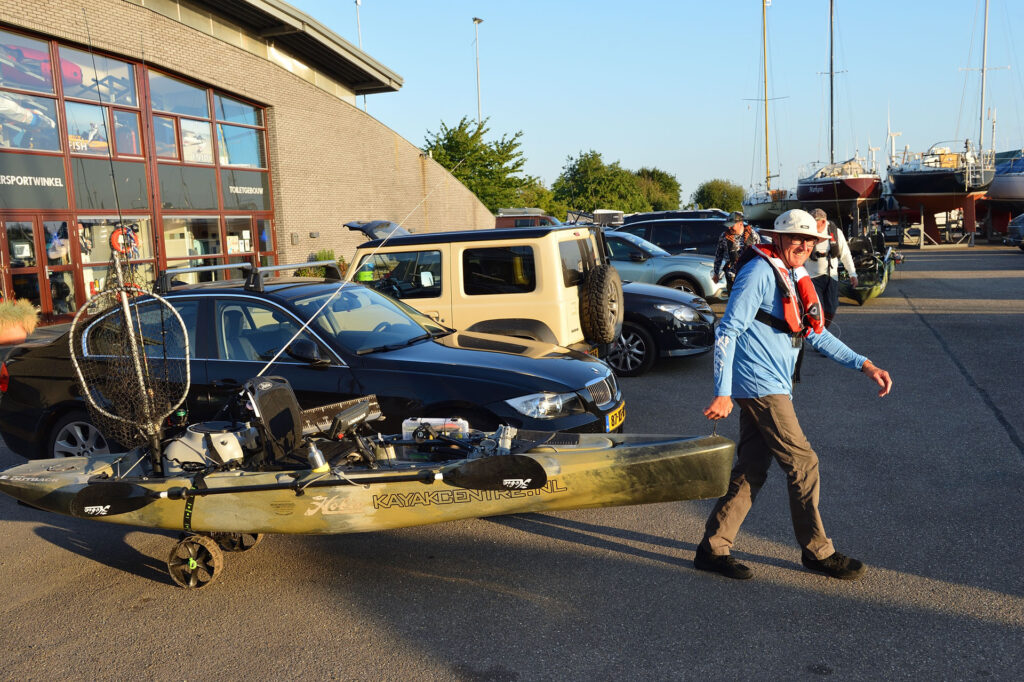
[{"x": 37, "y": 264}]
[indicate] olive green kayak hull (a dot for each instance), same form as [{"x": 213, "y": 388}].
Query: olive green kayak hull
[{"x": 601, "y": 471}]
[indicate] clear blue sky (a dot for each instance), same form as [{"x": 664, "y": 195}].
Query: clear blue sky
[{"x": 675, "y": 84}]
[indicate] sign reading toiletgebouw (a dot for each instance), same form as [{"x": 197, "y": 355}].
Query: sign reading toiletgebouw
[
  {"x": 245, "y": 190},
  {"x": 32, "y": 181}
]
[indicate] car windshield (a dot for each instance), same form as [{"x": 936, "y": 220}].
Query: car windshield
[
  {"x": 361, "y": 320},
  {"x": 650, "y": 248}
]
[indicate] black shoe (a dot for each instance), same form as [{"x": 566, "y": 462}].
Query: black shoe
[
  {"x": 722, "y": 564},
  {"x": 835, "y": 566}
]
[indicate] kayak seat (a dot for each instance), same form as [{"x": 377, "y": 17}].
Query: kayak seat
[{"x": 279, "y": 422}]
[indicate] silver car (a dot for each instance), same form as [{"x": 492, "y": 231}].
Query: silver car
[{"x": 638, "y": 260}]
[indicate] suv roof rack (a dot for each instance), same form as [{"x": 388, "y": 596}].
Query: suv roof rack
[{"x": 254, "y": 275}]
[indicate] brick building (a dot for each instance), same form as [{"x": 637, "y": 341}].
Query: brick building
[{"x": 214, "y": 131}]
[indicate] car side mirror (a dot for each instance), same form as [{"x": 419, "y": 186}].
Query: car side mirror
[
  {"x": 305, "y": 350},
  {"x": 426, "y": 279},
  {"x": 637, "y": 256}
]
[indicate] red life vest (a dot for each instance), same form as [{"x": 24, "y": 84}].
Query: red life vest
[{"x": 811, "y": 317}]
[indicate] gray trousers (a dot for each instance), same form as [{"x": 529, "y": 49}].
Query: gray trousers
[{"x": 769, "y": 429}]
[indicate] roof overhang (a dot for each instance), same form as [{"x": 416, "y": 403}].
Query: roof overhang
[{"x": 309, "y": 41}]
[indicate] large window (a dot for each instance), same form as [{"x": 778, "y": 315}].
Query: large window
[
  {"x": 498, "y": 270},
  {"x": 99, "y": 144}
]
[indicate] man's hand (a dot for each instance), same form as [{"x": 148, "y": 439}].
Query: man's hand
[
  {"x": 853, "y": 280},
  {"x": 720, "y": 407},
  {"x": 876, "y": 374},
  {"x": 715, "y": 278}
]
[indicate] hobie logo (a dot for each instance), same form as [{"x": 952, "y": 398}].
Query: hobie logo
[
  {"x": 517, "y": 483},
  {"x": 97, "y": 510}
]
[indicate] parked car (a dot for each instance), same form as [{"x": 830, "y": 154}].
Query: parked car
[
  {"x": 678, "y": 213},
  {"x": 547, "y": 283},
  {"x": 361, "y": 343},
  {"x": 679, "y": 235},
  {"x": 638, "y": 260},
  {"x": 660, "y": 322},
  {"x": 1015, "y": 232}
]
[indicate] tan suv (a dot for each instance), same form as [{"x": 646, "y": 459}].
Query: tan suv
[{"x": 547, "y": 283}]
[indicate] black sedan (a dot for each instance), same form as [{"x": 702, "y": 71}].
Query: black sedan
[
  {"x": 659, "y": 322},
  {"x": 361, "y": 343}
]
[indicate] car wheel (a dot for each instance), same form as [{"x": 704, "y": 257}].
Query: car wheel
[
  {"x": 73, "y": 435},
  {"x": 633, "y": 353},
  {"x": 683, "y": 284}
]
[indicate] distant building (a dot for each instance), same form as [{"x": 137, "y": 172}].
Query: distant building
[{"x": 222, "y": 131}]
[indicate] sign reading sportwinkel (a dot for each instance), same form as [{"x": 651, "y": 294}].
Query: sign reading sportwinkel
[{"x": 32, "y": 181}]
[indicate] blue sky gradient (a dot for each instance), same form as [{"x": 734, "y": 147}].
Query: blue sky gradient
[{"x": 676, "y": 85}]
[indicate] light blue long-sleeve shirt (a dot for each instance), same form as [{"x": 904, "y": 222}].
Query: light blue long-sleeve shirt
[{"x": 753, "y": 360}]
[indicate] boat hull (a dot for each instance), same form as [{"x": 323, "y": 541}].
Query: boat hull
[
  {"x": 935, "y": 190},
  {"x": 840, "y": 195},
  {"x": 599, "y": 471},
  {"x": 1007, "y": 189}
]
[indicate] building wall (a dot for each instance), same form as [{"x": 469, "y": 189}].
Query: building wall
[{"x": 330, "y": 162}]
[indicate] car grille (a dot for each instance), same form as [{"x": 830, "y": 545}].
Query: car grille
[{"x": 603, "y": 391}]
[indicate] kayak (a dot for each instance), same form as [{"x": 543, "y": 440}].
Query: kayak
[{"x": 581, "y": 471}]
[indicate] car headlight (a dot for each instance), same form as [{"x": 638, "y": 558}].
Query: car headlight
[
  {"x": 547, "y": 405},
  {"x": 682, "y": 313}
]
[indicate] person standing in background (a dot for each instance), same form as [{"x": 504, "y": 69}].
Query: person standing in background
[{"x": 823, "y": 265}]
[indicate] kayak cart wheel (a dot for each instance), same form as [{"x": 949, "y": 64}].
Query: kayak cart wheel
[
  {"x": 237, "y": 542},
  {"x": 195, "y": 562}
]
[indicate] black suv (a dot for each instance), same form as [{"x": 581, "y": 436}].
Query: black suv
[
  {"x": 363, "y": 342},
  {"x": 679, "y": 235}
]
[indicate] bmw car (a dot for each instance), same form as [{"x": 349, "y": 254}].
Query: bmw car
[{"x": 362, "y": 342}]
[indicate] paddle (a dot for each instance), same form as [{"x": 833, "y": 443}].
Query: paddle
[{"x": 503, "y": 472}]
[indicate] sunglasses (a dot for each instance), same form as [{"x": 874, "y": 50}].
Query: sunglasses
[{"x": 800, "y": 239}]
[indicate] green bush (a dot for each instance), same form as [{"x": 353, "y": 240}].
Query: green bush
[{"x": 319, "y": 272}]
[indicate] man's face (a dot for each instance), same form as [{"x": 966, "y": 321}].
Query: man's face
[
  {"x": 822, "y": 224},
  {"x": 795, "y": 249},
  {"x": 736, "y": 227}
]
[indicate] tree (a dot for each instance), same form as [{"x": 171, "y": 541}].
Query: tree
[
  {"x": 719, "y": 193},
  {"x": 490, "y": 170},
  {"x": 587, "y": 183},
  {"x": 535, "y": 195},
  {"x": 661, "y": 189}
]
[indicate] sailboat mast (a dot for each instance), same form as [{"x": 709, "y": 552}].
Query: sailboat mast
[
  {"x": 764, "y": 61},
  {"x": 984, "y": 64},
  {"x": 831, "y": 78}
]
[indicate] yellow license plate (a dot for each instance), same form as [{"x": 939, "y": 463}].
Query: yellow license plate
[{"x": 614, "y": 419}]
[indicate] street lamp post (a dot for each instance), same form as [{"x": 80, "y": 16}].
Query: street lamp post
[
  {"x": 476, "y": 28},
  {"x": 359, "y": 32}
]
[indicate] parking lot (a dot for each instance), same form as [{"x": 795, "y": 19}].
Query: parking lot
[{"x": 925, "y": 486}]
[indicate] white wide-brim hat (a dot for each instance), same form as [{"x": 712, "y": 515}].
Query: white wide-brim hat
[{"x": 797, "y": 221}]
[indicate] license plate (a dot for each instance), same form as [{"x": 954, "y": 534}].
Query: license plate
[{"x": 614, "y": 419}]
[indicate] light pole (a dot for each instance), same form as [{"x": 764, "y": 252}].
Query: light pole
[
  {"x": 476, "y": 29},
  {"x": 359, "y": 32}
]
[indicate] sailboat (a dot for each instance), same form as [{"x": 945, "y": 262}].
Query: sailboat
[
  {"x": 764, "y": 205},
  {"x": 840, "y": 189},
  {"x": 1007, "y": 189},
  {"x": 946, "y": 177}
]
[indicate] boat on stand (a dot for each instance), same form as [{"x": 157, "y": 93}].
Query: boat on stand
[
  {"x": 949, "y": 175},
  {"x": 840, "y": 189},
  {"x": 763, "y": 205}
]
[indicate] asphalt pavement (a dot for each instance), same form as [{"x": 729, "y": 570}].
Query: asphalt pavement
[{"x": 924, "y": 485}]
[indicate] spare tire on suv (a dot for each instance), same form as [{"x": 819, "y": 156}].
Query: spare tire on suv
[{"x": 601, "y": 308}]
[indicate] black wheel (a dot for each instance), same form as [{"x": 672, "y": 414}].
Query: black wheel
[
  {"x": 601, "y": 305},
  {"x": 237, "y": 542},
  {"x": 683, "y": 284},
  {"x": 633, "y": 353},
  {"x": 73, "y": 435},
  {"x": 195, "y": 562}
]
